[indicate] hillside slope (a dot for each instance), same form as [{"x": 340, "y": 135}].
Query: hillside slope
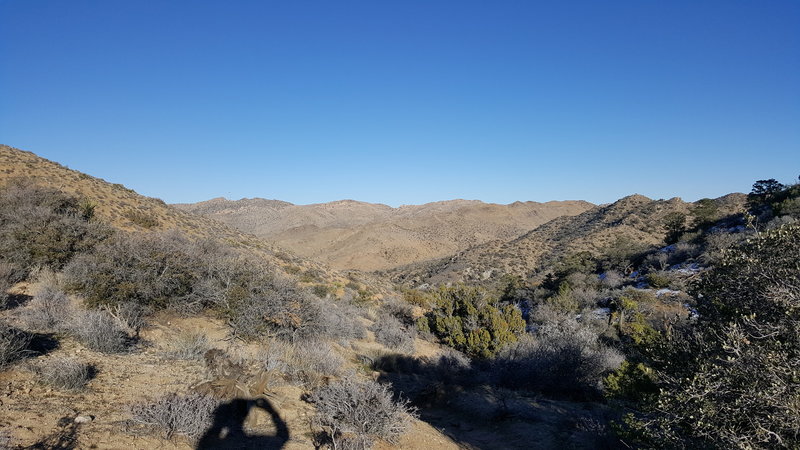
[
  {"x": 124, "y": 209},
  {"x": 355, "y": 235},
  {"x": 635, "y": 218}
]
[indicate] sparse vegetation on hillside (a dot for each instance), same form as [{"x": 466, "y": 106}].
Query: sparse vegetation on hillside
[
  {"x": 41, "y": 227},
  {"x": 679, "y": 318}
]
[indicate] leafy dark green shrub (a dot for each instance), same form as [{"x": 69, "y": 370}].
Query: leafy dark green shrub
[
  {"x": 675, "y": 226},
  {"x": 731, "y": 380},
  {"x": 470, "y": 320},
  {"x": 705, "y": 212},
  {"x": 354, "y": 413},
  {"x": 43, "y": 227}
]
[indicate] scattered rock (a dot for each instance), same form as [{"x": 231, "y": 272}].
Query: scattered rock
[{"x": 83, "y": 419}]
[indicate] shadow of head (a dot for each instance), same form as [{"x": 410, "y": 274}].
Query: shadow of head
[{"x": 233, "y": 418}]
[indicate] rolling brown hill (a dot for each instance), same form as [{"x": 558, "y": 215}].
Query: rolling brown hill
[
  {"x": 125, "y": 209},
  {"x": 348, "y": 234},
  {"x": 635, "y": 218}
]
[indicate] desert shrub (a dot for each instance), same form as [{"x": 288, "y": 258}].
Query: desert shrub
[
  {"x": 189, "y": 415},
  {"x": 99, "y": 331},
  {"x": 130, "y": 316},
  {"x": 779, "y": 221},
  {"x": 631, "y": 381},
  {"x": 312, "y": 360},
  {"x": 284, "y": 310},
  {"x": 399, "y": 309},
  {"x": 717, "y": 243},
  {"x": 275, "y": 357},
  {"x": 658, "y": 280},
  {"x": 611, "y": 280},
  {"x": 789, "y": 207},
  {"x": 156, "y": 270},
  {"x": 339, "y": 321},
  {"x": 14, "y": 344},
  {"x": 628, "y": 314},
  {"x": 622, "y": 254},
  {"x": 658, "y": 260},
  {"x": 48, "y": 310},
  {"x": 66, "y": 373},
  {"x": 6, "y": 282},
  {"x": 392, "y": 333},
  {"x": 730, "y": 380},
  {"x": 417, "y": 298},
  {"x": 43, "y": 227},
  {"x": 321, "y": 290},
  {"x": 187, "y": 345},
  {"x": 470, "y": 320},
  {"x": 141, "y": 219},
  {"x": 563, "y": 359},
  {"x": 354, "y": 413},
  {"x": 307, "y": 363},
  {"x": 449, "y": 368},
  {"x": 683, "y": 252}
]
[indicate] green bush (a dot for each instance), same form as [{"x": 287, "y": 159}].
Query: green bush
[
  {"x": 658, "y": 280},
  {"x": 470, "y": 320},
  {"x": 730, "y": 381}
]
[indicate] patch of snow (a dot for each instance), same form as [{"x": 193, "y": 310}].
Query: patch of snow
[{"x": 665, "y": 291}]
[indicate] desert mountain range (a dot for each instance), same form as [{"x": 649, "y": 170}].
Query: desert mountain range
[{"x": 349, "y": 234}]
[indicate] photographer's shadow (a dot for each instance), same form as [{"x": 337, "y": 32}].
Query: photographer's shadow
[{"x": 227, "y": 431}]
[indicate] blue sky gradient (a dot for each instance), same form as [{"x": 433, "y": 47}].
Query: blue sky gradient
[{"x": 404, "y": 102}]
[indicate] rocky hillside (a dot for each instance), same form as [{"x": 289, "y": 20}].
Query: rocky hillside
[
  {"x": 355, "y": 235},
  {"x": 634, "y": 219},
  {"x": 124, "y": 209}
]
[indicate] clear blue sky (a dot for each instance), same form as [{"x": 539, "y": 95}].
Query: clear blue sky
[{"x": 407, "y": 101}]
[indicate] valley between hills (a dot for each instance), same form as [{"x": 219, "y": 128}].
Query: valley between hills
[{"x": 127, "y": 322}]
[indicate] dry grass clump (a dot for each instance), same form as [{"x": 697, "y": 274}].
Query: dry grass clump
[
  {"x": 354, "y": 413},
  {"x": 65, "y": 373},
  {"x": 99, "y": 331},
  {"x": 14, "y": 344},
  {"x": 188, "y": 346},
  {"x": 189, "y": 415}
]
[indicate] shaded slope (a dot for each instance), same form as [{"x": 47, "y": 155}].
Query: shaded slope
[{"x": 636, "y": 218}]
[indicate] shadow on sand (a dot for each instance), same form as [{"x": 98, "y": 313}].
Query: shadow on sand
[{"x": 228, "y": 431}]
